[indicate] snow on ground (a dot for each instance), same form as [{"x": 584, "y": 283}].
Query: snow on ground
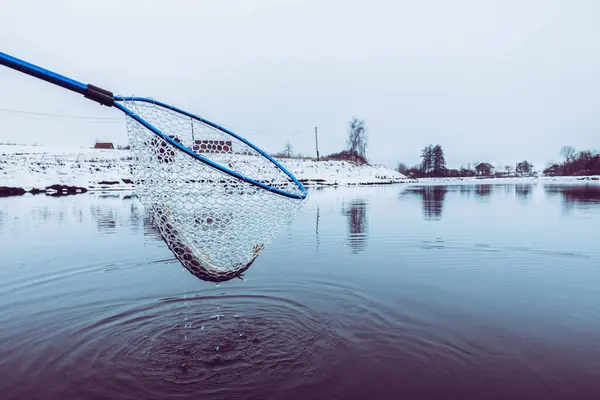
[
  {"x": 94, "y": 169},
  {"x": 523, "y": 179},
  {"x": 341, "y": 172},
  {"x": 39, "y": 167}
]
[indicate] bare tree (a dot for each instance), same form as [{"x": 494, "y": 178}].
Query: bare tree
[
  {"x": 568, "y": 152},
  {"x": 402, "y": 168},
  {"x": 427, "y": 156},
  {"x": 357, "y": 139},
  {"x": 508, "y": 169},
  {"x": 288, "y": 149}
]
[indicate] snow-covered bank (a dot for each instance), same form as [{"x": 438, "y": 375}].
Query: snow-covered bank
[
  {"x": 39, "y": 167},
  {"x": 342, "y": 173},
  {"x": 492, "y": 181}
]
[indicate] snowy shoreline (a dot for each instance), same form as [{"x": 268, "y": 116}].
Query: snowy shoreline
[
  {"x": 30, "y": 167},
  {"x": 80, "y": 170},
  {"x": 505, "y": 180}
]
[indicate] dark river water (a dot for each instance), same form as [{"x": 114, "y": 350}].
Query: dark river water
[{"x": 393, "y": 292}]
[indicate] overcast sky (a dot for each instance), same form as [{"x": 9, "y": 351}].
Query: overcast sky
[{"x": 498, "y": 81}]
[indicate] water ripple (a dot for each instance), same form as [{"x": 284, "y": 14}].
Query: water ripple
[{"x": 216, "y": 343}]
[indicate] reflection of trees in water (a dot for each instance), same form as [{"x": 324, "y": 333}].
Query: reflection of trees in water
[
  {"x": 432, "y": 198},
  {"x": 149, "y": 227},
  {"x": 62, "y": 215},
  {"x": 575, "y": 196},
  {"x": 109, "y": 213},
  {"x": 41, "y": 214},
  {"x": 465, "y": 190},
  {"x": 106, "y": 213},
  {"x": 317, "y": 228},
  {"x": 523, "y": 190},
  {"x": 356, "y": 211},
  {"x": 105, "y": 217},
  {"x": 483, "y": 190},
  {"x": 480, "y": 190},
  {"x": 44, "y": 215},
  {"x": 135, "y": 215},
  {"x": 79, "y": 215}
]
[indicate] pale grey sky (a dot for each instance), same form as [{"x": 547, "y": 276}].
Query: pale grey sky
[{"x": 496, "y": 81}]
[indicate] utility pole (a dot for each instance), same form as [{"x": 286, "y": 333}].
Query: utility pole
[{"x": 317, "y": 143}]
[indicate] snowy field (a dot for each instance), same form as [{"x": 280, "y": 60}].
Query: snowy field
[
  {"x": 30, "y": 167},
  {"x": 39, "y": 167}
]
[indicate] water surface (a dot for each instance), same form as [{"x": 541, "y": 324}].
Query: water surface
[{"x": 399, "y": 292}]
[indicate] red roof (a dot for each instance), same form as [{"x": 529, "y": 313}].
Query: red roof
[{"x": 106, "y": 145}]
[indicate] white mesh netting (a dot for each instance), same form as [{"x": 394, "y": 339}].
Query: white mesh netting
[{"x": 215, "y": 224}]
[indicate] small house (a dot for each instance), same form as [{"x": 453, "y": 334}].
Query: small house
[
  {"x": 104, "y": 145},
  {"x": 485, "y": 169},
  {"x": 552, "y": 170}
]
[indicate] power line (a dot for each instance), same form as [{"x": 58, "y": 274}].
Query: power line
[
  {"x": 78, "y": 117},
  {"x": 119, "y": 120}
]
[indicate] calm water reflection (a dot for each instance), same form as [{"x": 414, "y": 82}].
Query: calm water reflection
[
  {"x": 523, "y": 191},
  {"x": 483, "y": 191},
  {"x": 575, "y": 196},
  {"x": 432, "y": 198},
  {"x": 356, "y": 212},
  {"x": 463, "y": 291}
]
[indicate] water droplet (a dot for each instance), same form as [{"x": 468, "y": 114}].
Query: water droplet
[
  {"x": 202, "y": 328},
  {"x": 217, "y": 348}
]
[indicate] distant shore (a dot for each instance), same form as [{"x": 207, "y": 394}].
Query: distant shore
[
  {"x": 36, "y": 169},
  {"x": 55, "y": 170},
  {"x": 503, "y": 180}
]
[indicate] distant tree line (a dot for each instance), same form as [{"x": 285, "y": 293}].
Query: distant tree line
[
  {"x": 585, "y": 162},
  {"x": 524, "y": 168},
  {"x": 433, "y": 164}
]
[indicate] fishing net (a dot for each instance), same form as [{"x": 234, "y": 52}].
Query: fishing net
[{"x": 215, "y": 221}]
